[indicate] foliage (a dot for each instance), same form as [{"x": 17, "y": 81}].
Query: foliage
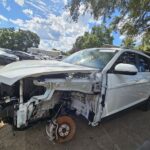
[
  {"x": 98, "y": 36},
  {"x": 134, "y": 15},
  {"x": 145, "y": 45},
  {"x": 68, "y": 53},
  {"x": 128, "y": 43},
  {"x": 18, "y": 40}
]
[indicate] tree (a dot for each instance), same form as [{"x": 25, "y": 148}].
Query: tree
[
  {"x": 98, "y": 36},
  {"x": 128, "y": 43},
  {"x": 145, "y": 45},
  {"x": 133, "y": 14},
  {"x": 18, "y": 40}
]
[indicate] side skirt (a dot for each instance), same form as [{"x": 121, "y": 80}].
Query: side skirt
[{"x": 123, "y": 112}]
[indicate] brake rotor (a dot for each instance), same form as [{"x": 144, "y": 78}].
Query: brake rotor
[
  {"x": 61, "y": 130},
  {"x": 66, "y": 129}
]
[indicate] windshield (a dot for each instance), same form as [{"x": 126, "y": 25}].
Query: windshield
[{"x": 94, "y": 58}]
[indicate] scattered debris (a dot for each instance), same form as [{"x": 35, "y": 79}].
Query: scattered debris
[{"x": 2, "y": 124}]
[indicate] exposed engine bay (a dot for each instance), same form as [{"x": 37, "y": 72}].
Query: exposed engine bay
[{"x": 50, "y": 96}]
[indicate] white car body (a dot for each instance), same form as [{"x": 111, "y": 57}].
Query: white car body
[{"x": 97, "y": 95}]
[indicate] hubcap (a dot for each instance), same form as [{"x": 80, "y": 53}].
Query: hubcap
[{"x": 63, "y": 130}]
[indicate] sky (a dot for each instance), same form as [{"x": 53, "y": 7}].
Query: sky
[{"x": 50, "y": 20}]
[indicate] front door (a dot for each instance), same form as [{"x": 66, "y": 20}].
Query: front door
[{"x": 124, "y": 91}]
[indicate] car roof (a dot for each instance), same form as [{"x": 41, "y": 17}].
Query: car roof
[{"x": 122, "y": 49}]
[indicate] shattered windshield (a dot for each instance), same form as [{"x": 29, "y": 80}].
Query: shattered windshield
[{"x": 94, "y": 58}]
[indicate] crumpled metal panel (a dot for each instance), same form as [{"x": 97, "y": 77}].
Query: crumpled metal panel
[{"x": 33, "y": 68}]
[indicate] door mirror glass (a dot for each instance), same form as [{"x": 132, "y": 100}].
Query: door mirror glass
[{"x": 126, "y": 69}]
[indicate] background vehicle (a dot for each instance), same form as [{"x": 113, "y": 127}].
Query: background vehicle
[
  {"x": 94, "y": 83},
  {"x": 21, "y": 55},
  {"x": 6, "y": 58}
]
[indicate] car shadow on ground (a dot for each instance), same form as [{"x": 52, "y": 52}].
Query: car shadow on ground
[{"x": 128, "y": 131}]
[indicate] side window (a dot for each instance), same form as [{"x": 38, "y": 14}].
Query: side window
[
  {"x": 143, "y": 64},
  {"x": 127, "y": 58}
]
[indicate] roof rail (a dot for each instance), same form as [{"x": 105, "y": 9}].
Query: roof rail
[{"x": 111, "y": 46}]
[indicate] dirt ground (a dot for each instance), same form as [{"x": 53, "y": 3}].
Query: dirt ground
[{"x": 126, "y": 132}]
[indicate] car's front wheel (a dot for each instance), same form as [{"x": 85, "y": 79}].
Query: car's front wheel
[{"x": 61, "y": 130}]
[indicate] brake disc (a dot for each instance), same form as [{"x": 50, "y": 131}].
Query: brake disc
[{"x": 61, "y": 130}]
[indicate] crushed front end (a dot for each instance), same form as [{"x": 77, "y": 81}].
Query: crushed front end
[{"x": 52, "y": 91}]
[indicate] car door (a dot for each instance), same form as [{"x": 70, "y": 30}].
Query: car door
[
  {"x": 124, "y": 91},
  {"x": 143, "y": 78}
]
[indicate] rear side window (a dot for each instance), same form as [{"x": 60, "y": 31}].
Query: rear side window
[{"x": 143, "y": 64}]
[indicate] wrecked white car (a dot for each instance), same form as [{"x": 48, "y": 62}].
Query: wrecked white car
[{"x": 94, "y": 83}]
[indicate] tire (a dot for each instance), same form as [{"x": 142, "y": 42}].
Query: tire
[
  {"x": 68, "y": 123},
  {"x": 146, "y": 105}
]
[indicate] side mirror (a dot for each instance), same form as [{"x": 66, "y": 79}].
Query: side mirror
[{"x": 126, "y": 69}]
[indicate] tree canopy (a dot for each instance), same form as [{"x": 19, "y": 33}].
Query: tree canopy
[
  {"x": 18, "y": 40},
  {"x": 98, "y": 36},
  {"x": 128, "y": 43},
  {"x": 145, "y": 45},
  {"x": 133, "y": 16}
]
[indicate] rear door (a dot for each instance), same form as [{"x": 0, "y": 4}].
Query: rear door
[{"x": 143, "y": 78}]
